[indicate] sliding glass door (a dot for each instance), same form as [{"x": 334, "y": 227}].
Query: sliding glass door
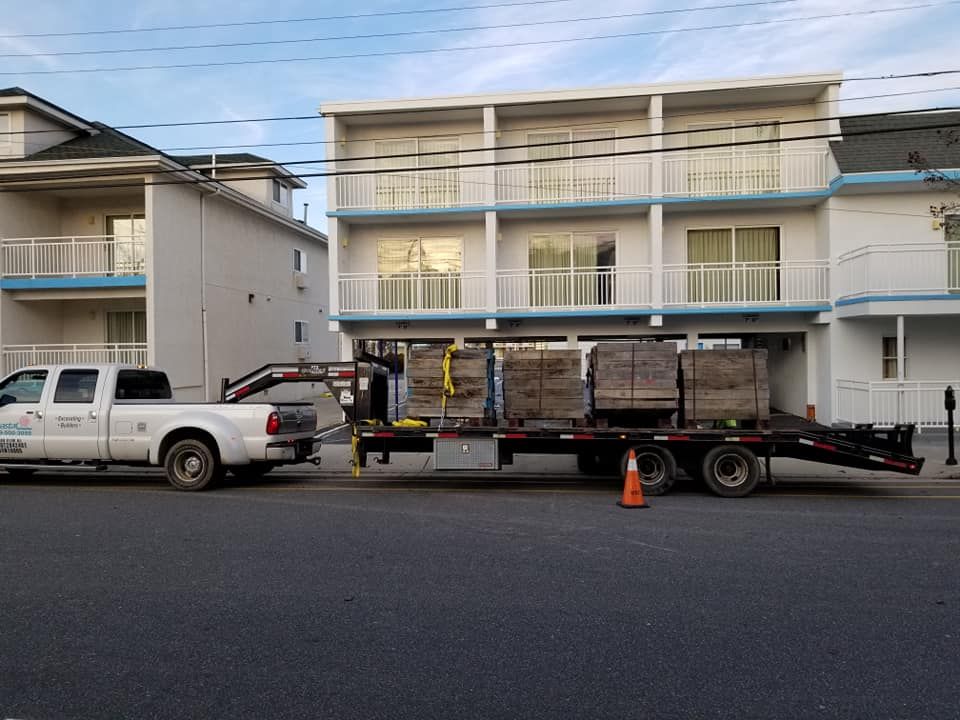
[
  {"x": 572, "y": 269},
  {"x": 419, "y": 273},
  {"x": 726, "y": 265}
]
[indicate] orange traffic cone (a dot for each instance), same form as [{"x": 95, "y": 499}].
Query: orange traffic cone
[{"x": 632, "y": 490}]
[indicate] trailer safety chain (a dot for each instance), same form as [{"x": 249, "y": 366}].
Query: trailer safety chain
[{"x": 448, "y": 389}]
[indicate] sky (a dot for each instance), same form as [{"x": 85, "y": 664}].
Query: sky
[{"x": 912, "y": 40}]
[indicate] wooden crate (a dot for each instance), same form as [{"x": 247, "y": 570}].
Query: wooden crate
[
  {"x": 472, "y": 375},
  {"x": 542, "y": 384},
  {"x": 725, "y": 385},
  {"x": 634, "y": 376}
]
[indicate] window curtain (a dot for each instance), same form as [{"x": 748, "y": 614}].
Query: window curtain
[
  {"x": 594, "y": 177},
  {"x": 440, "y": 188},
  {"x": 126, "y": 255},
  {"x": 952, "y": 236},
  {"x": 759, "y": 164},
  {"x": 759, "y": 278},
  {"x": 550, "y": 265},
  {"x": 398, "y": 261},
  {"x": 395, "y": 190},
  {"x": 709, "y": 258},
  {"x": 709, "y": 169},
  {"x": 441, "y": 265},
  {"x": 126, "y": 327},
  {"x": 594, "y": 260},
  {"x": 549, "y": 180}
]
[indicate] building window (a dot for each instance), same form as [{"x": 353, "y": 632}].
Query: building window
[
  {"x": 126, "y": 234},
  {"x": 419, "y": 273},
  {"x": 736, "y": 169},
  {"x": 727, "y": 265},
  {"x": 426, "y": 187},
  {"x": 890, "y": 358},
  {"x": 572, "y": 269},
  {"x": 281, "y": 193},
  {"x": 951, "y": 233},
  {"x": 127, "y": 327},
  {"x": 299, "y": 260},
  {"x": 586, "y": 178},
  {"x": 301, "y": 332},
  {"x": 5, "y": 137}
]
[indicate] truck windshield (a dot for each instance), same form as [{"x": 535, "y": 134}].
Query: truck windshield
[{"x": 143, "y": 385}]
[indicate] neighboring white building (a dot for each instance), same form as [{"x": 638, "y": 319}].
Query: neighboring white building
[
  {"x": 619, "y": 226},
  {"x": 105, "y": 257}
]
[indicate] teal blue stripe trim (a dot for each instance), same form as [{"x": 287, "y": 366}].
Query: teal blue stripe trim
[
  {"x": 638, "y": 312},
  {"x": 895, "y": 298},
  {"x": 82, "y": 282}
]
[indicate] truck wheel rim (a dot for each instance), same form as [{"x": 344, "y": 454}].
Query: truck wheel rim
[
  {"x": 651, "y": 468},
  {"x": 731, "y": 470},
  {"x": 189, "y": 466}
]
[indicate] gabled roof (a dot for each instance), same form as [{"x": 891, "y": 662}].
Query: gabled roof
[
  {"x": 45, "y": 106},
  {"x": 107, "y": 143},
  {"x": 891, "y": 150}
]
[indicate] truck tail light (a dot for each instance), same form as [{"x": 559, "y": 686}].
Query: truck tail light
[{"x": 273, "y": 423}]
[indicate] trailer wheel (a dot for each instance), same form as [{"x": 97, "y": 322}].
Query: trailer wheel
[
  {"x": 731, "y": 471},
  {"x": 192, "y": 465},
  {"x": 657, "y": 468}
]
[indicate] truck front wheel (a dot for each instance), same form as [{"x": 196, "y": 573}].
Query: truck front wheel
[
  {"x": 191, "y": 465},
  {"x": 731, "y": 471}
]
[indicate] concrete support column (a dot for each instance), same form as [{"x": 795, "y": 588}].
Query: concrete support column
[
  {"x": 490, "y": 155},
  {"x": 901, "y": 350},
  {"x": 655, "y": 227},
  {"x": 573, "y": 342},
  {"x": 333, "y": 271},
  {"x": 655, "y": 128},
  {"x": 692, "y": 339},
  {"x": 491, "y": 232}
]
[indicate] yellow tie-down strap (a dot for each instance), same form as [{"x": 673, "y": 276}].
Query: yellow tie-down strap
[{"x": 448, "y": 389}]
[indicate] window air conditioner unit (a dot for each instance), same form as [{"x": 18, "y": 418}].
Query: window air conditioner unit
[
  {"x": 303, "y": 352},
  {"x": 300, "y": 280}
]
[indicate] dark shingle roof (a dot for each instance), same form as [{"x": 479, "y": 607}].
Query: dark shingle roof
[
  {"x": 222, "y": 159},
  {"x": 107, "y": 143},
  {"x": 891, "y": 150}
]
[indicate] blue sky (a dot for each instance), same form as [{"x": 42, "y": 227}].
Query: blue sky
[{"x": 914, "y": 40}]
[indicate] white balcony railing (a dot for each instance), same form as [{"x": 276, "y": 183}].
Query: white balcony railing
[
  {"x": 412, "y": 189},
  {"x": 744, "y": 172},
  {"x": 888, "y": 402},
  {"x": 18, "y": 356},
  {"x": 73, "y": 257},
  {"x": 746, "y": 283},
  {"x": 574, "y": 181},
  {"x": 878, "y": 270},
  {"x": 380, "y": 293},
  {"x": 574, "y": 288}
]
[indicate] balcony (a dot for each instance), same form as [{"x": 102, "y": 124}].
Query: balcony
[
  {"x": 718, "y": 173},
  {"x": 888, "y": 402},
  {"x": 901, "y": 271},
  {"x": 403, "y": 293},
  {"x": 412, "y": 190},
  {"x": 749, "y": 284},
  {"x": 573, "y": 181},
  {"x": 575, "y": 288},
  {"x": 80, "y": 260},
  {"x": 18, "y": 356}
]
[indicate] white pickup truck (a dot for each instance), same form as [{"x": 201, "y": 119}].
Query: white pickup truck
[{"x": 76, "y": 415}]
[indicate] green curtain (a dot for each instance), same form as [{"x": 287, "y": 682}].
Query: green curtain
[
  {"x": 759, "y": 164},
  {"x": 550, "y": 262},
  {"x": 952, "y": 236},
  {"x": 549, "y": 180},
  {"x": 707, "y": 281},
  {"x": 594, "y": 178},
  {"x": 759, "y": 280}
]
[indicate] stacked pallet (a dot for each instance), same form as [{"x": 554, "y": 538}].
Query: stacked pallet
[
  {"x": 725, "y": 385},
  {"x": 542, "y": 384},
  {"x": 471, "y": 372},
  {"x": 634, "y": 376}
]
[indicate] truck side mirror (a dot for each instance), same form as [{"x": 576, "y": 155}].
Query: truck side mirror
[{"x": 7, "y": 400}]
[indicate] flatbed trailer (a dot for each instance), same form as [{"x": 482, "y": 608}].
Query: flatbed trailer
[{"x": 728, "y": 460}]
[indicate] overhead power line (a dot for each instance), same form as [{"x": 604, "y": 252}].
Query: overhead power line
[
  {"x": 265, "y": 164},
  {"x": 282, "y": 21},
  {"x": 457, "y": 166},
  {"x": 398, "y": 33},
  {"x": 492, "y": 46}
]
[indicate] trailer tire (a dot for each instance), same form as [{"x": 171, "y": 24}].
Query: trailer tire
[
  {"x": 192, "y": 465},
  {"x": 731, "y": 471},
  {"x": 657, "y": 468}
]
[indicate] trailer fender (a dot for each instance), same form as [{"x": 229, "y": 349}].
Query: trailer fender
[{"x": 230, "y": 446}]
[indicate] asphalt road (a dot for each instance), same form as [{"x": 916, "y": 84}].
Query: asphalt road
[{"x": 470, "y": 598}]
